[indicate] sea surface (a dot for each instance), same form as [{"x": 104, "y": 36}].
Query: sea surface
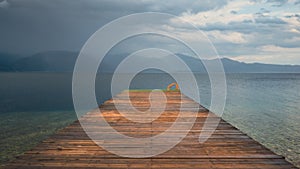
[{"x": 266, "y": 106}]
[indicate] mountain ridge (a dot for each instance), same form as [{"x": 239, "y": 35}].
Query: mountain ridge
[{"x": 64, "y": 61}]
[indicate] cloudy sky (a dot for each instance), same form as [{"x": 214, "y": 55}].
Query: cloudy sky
[{"x": 265, "y": 31}]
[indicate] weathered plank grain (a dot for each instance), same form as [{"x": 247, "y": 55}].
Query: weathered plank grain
[{"x": 226, "y": 148}]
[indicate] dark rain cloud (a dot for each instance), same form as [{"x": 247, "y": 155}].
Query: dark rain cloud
[{"x": 29, "y": 26}]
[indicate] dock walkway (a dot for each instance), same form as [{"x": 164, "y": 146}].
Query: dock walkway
[{"x": 226, "y": 148}]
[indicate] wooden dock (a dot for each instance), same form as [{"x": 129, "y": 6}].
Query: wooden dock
[{"x": 226, "y": 148}]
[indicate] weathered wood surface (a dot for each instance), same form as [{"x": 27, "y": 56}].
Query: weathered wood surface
[{"x": 226, "y": 148}]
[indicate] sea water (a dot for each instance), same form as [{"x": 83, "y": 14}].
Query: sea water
[{"x": 266, "y": 106}]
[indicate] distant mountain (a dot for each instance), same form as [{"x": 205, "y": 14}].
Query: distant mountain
[
  {"x": 52, "y": 61},
  {"x": 63, "y": 61},
  {"x": 230, "y": 66},
  {"x": 6, "y": 62}
]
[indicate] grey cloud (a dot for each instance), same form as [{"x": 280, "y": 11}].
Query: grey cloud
[
  {"x": 260, "y": 24},
  {"x": 277, "y": 3},
  {"x": 291, "y": 16},
  {"x": 269, "y": 20},
  {"x": 4, "y": 4},
  {"x": 35, "y": 25},
  {"x": 263, "y": 10},
  {"x": 30, "y": 26},
  {"x": 265, "y": 30},
  {"x": 297, "y": 16},
  {"x": 233, "y": 12}
]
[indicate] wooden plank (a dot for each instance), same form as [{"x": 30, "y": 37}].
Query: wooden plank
[{"x": 226, "y": 148}]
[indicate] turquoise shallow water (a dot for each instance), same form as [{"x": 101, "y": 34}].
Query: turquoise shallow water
[
  {"x": 21, "y": 131},
  {"x": 35, "y": 105},
  {"x": 267, "y": 108}
]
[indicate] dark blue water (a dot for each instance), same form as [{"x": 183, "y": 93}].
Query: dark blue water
[{"x": 265, "y": 106}]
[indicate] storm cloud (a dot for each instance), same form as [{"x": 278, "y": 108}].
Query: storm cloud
[{"x": 241, "y": 30}]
